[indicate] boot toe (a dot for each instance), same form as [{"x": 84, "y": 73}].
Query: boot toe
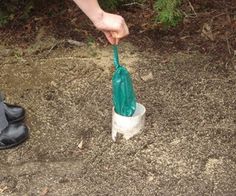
[{"x": 13, "y": 135}]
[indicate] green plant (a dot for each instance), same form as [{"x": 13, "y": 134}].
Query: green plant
[
  {"x": 168, "y": 12},
  {"x": 4, "y": 18},
  {"x": 6, "y": 12},
  {"x": 27, "y": 9},
  {"x": 12, "y": 8},
  {"x": 90, "y": 40},
  {"x": 113, "y": 4}
]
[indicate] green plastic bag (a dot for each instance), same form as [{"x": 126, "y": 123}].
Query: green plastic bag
[{"x": 123, "y": 94}]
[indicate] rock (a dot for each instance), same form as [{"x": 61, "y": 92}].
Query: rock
[{"x": 76, "y": 43}]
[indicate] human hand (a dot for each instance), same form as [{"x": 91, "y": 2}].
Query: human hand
[{"x": 112, "y": 25}]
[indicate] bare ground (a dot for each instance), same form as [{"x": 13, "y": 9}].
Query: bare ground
[{"x": 188, "y": 146}]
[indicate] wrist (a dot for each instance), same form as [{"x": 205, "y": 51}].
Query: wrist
[
  {"x": 92, "y": 9},
  {"x": 96, "y": 17}
]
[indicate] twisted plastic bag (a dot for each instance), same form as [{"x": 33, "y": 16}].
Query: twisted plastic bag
[{"x": 123, "y": 94}]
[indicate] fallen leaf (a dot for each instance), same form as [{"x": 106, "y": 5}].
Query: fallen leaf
[{"x": 207, "y": 32}]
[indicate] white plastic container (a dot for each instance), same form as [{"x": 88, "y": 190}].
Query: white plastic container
[{"x": 128, "y": 126}]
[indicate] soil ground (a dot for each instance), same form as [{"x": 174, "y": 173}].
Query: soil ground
[{"x": 188, "y": 146}]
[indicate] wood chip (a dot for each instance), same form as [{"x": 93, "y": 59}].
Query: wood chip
[
  {"x": 147, "y": 77},
  {"x": 3, "y": 189},
  {"x": 44, "y": 192},
  {"x": 80, "y": 146}
]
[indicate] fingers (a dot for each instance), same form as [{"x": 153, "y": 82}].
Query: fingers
[
  {"x": 113, "y": 26},
  {"x": 117, "y": 41},
  {"x": 121, "y": 31},
  {"x": 110, "y": 38},
  {"x": 116, "y": 37}
]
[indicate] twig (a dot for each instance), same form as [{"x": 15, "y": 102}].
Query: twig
[
  {"x": 55, "y": 45},
  {"x": 133, "y": 3},
  {"x": 232, "y": 57},
  {"x": 52, "y": 48},
  {"x": 64, "y": 58},
  {"x": 189, "y": 15},
  {"x": 216, "y": 16},
  {"x": 70, "y": 41},
  {"x": 228, "y": 45},
  {"x": 191, "y": 6}
]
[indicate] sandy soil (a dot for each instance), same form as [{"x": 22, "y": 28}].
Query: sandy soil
[{"x": 188, "y": 146}]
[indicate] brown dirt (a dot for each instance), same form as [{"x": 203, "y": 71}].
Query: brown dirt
[
  {"x": 208, "y": 27},
  {"x": 187, "y": 147}
]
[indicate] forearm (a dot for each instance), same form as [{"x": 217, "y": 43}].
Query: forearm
[{"x": 91, "y": 8}]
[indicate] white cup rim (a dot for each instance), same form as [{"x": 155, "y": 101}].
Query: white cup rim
[{"x": 143, "y": 109}]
